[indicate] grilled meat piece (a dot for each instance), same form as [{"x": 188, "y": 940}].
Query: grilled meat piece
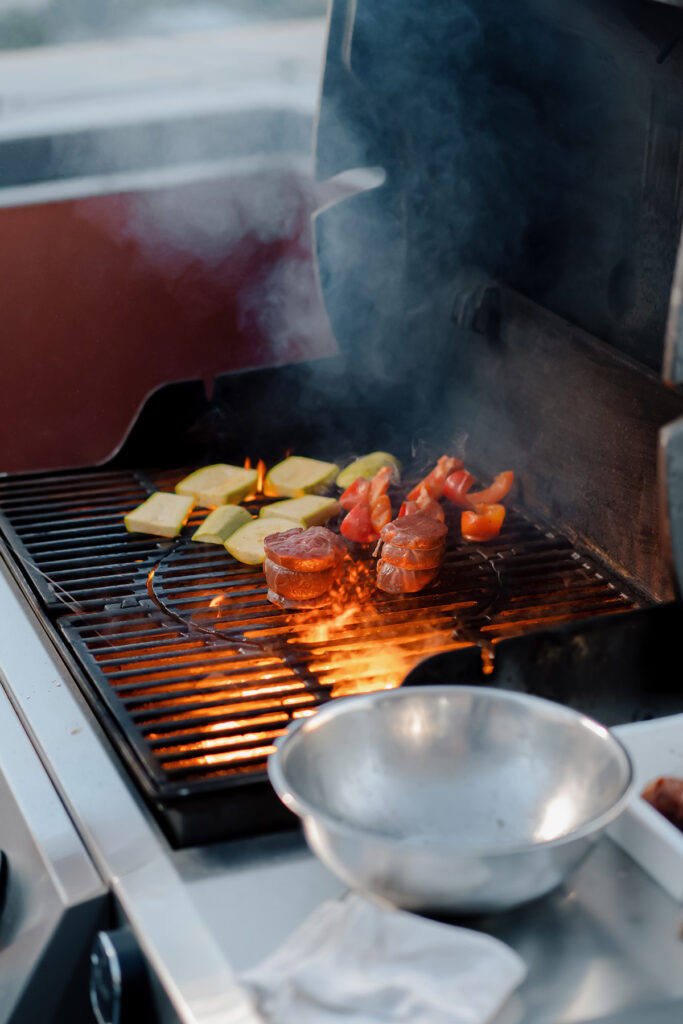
[
  {"x": 395, "y": 580},
  {"x": 305, "y": 551},
  {"x": 666, "y": 796},
  {"x": 415, "y": 531},
  {"x": 413, "y": 558},
  {"x": 298, "y": 586},
  {"x": 413, "y": 547},
  {"x": 289, "y": 605}
]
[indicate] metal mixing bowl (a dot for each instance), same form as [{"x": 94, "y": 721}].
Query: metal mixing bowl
[{"x": 458, "y": 799}]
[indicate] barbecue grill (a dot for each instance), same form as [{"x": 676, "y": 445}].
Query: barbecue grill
[
  {"x": 511, "y": 290},
  {"x": 195, "y": 673}
]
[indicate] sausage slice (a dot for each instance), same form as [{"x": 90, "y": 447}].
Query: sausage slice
[
  {"x": 415, "y": 531},
  {"x": 413, "y": 558},
  {"x": 298, "y": 586},
  {"x": 394, "y": 580},
  {"x": 311, "y": 550}
]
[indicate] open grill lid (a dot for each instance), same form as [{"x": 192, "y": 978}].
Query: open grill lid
[
  {"x": 540, "y": 142},
  {"x": 533, "y": 149}
]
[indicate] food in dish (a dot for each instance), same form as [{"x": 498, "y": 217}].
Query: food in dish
[
  {"x": 162, "y": 515},
  {"x": 219, "y": 484}
]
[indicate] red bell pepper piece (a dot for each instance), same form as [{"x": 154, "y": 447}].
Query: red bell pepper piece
[
  {"x": 408, "y": 508},
  {"x": 369, "y": 507},
  {"x": 482, "y": 523},
  {"x": 430, "y": 507},
  {"x": 497, "y": 490},
  {"x": 433, "y": 483},
  {"x": 380, "y": 512},
  {"x": 357, "y": 493},
  {"x": 379, "y": 485},
  {"x": 357, "y": 525},
  {"x": 456, "y": 487}
]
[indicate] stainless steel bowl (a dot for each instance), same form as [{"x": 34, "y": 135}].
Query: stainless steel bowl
[{"x": 456, "y": 799}]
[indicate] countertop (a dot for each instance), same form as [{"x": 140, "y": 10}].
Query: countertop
[{"x": 607, "y": 946}]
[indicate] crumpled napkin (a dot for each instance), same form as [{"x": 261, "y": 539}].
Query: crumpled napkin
[{"x": 355, "y": 962}]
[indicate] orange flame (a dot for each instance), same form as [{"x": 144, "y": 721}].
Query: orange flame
[
  {"x": 357, "y": 646},
  {"x": 260, "y": 477}
]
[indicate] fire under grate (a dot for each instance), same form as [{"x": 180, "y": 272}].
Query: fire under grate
[{"x": 194, "y": 673}]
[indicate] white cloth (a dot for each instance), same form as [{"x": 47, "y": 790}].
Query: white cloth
[{"x": 354, "y": 962}]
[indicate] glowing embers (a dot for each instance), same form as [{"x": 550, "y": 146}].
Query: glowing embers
[
  {"x": 202, "y": 672},
  {"x": 254, "y": 758},
  {"x": 356, "y": 645},
  {"x": 227, "y": 727},
  {"x": 249, "y": 748},
  {"x": 204, "y": 711}
]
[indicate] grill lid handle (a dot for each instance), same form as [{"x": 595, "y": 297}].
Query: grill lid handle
[
  {"x": 672, "y": 370},
  {"x": 670, "y": 472}
]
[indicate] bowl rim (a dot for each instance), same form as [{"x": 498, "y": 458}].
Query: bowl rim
[{"x": 344, "y": 705}]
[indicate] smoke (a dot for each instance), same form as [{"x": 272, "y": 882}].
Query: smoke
[
  {"x": 258, "y": 198},
  {"x": 510, "y": 144}
]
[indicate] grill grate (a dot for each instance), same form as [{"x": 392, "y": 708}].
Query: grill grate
[{"x": 197, "y": 673}]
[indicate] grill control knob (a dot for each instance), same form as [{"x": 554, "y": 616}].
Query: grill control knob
[{"x": 119, "y": 990}]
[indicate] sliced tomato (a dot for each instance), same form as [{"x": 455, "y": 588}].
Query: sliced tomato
[
  {"x": 408, "y": 508},
  {"x": 482, "y": 523},
  {"x": 379, "y": 484},
  {"x": 456, "y": 487},
  {"x": 433, "y": 483},
  {"x": 356, "y": 494},
  {"x": 498, "y": 489},
  {"x": 380, "y": 512},
  {"x": 357, "y": 525}
]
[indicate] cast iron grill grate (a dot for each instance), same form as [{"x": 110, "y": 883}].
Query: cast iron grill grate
[{"x": 195, "y": 674}]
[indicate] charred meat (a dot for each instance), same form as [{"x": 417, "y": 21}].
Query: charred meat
[{"x": 301, "y": 565}]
